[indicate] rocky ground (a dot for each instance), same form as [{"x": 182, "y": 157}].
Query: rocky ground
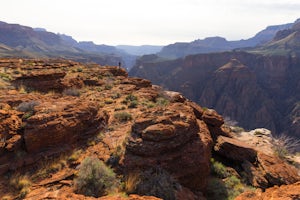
[{"x": 56, "y": 113}]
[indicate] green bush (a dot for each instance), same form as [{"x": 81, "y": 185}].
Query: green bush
[
  {"x": 160, "y": 101},
  {"x": 5, "y": 76},
  {"x": 95, "y": 178},
  {"x": 123, "y": 116},
  {"x": 116, "y": 96},
  {"x": 133, "y": 104},
  {"x": 218, "y": 169},
  {"x": 131, "y": 97},
  {"x": 108, "y": 87},
  {"x": 226, "y": 189}
]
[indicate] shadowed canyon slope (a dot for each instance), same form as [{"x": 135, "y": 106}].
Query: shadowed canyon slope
[{"x": 255, "y": 90}]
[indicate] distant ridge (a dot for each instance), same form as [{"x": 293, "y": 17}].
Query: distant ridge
[{"x": 219, "y": 44}]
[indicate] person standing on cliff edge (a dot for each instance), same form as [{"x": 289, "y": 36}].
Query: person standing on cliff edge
[{"x": 120, "y": 64}]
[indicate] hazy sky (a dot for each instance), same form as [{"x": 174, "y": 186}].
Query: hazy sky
[{"x": 158, "y": 22}]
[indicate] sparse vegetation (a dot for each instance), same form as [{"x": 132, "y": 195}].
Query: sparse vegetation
[
  {"x": 108, "y": 101},
  {"x": 133, "y": 104},
  {"x": 5, "y": 76},
  {"x": 75, "y": 155},
  {"x": 123, "y": 116},
  {"x": 108, "y": 87},
  {"x": 120, "y": 108},
  {"x": 224, "y": 185},
  {"x": 284, "y": 145},
  {"x": 148, "y": 104},
  {"x": 218, "y": 169},
  {"x": 27, "y": 106},
  {"x": 160, "y": 101},
  {"x": 131, "y": 97},
  {"x": 50, "y": 166},
  {"x": 153, "y": 182},
  {"x": 95, "y": 178},
  {"x": 116, "y": 96},
  {"x": 20, "y": 183}
]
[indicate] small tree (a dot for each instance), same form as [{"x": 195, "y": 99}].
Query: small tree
[{"x": 95, "y": 178}]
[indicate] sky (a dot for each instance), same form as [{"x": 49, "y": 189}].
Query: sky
[{"x": 153, "y": 22}]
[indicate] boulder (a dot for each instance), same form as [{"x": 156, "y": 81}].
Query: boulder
[{"x": 235, "y": 150}]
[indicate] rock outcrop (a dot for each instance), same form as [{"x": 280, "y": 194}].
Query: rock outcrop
[
  {"x": 261, "y": 170},
  {"x": 62, "y": 123},
  {"x": 173, "y": 139}
]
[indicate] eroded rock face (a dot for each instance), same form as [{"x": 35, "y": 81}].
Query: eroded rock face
[
  {"x": 173, "y": 139},
  {"x": 42, "y": 82},
  {"x": 11, "y": 122},
  {"x": 261, "y": 170},
  {"x": 284, "y": 192},
  {"x": 62, "y": 122}
]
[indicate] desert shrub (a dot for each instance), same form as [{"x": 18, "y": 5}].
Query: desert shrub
[
  {"x": 108, "y": 101},
  {"x": 123, "y": 116},
  {"x": 225, "y": 189},
  {"x": 131, "y": 97},
  {"x": 20, "y": 183},
  {"x": 152, "y": 182},
  {"x": 27, "y": 106},
  {"x": 218, "y": 169},
  {"x": 5, "y": 76},
  {"x": 116, "y": 96},
  {"x": 160, "y": 101},
  {"x": 74, "y": 156},
  {"x": 72, "y": 92},
  {"x": 108, "y": 87},
  {"x": 120, "y": 108},
  {"x": 148, "y": 104},
  {"x": 79, "y": 70},
  {"x": 133, "y": 104},
  {"x": 234, "y": 187},
  {"x": 284, "y": 145},
  {"x": 95, "y": 178}
]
